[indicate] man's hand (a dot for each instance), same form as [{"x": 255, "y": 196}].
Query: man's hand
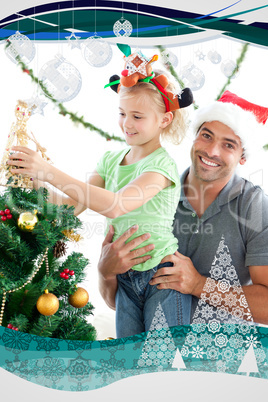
[
  {"x": 182, "y": 277},
  {"x": 118, "y": 257}
]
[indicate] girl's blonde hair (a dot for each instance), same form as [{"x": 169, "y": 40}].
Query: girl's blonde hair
[{"x": 176, "y": 130}]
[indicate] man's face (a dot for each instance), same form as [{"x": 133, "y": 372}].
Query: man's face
[{"x": 215, "y": 153}]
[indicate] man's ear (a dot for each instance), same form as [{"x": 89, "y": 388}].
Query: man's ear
[
  {"x": 242, "y": 160},
  {"x": 167, "y": 119}
]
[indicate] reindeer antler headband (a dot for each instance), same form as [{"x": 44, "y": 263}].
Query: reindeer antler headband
[{"x": 138, "y": 69}]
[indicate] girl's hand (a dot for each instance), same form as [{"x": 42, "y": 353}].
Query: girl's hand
[{"x": 28, "y": 163}]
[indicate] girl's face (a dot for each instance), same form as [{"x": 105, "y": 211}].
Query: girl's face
[{"x": 140, "y": 121}]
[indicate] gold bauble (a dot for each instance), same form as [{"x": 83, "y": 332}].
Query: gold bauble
[
  {"x": 47, "y": 304},
  {"x": 79, "y": 298},
  {"x": 27, "y": 221}
]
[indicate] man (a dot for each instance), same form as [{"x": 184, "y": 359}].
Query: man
[{"x": 221, "y": 220}]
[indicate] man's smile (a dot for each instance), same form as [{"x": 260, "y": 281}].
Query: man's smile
[{"x": 208, "y": 163}]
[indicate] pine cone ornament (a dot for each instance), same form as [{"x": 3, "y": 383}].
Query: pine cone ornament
[{"x": 59, "y": 249}]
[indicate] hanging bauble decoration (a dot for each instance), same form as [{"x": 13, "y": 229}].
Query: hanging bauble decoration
[
  {"x": 73, "y": 41},
  {"x": 214, "y": 57},
  {"x": 62, "y": 80},
  {"x": 47, "y": 304},
  {"x": 97, "y": 52},
  {"x": 36, "y": 105},
  {"x": 20, "y": 45},
  {"x": 192, "y": 77},
  {"x": 27, "y": 221},
  {"x": 122, "y": 27},
  {"x": 79, "y": 298},
  {"x": 200, "y": 55},
  {"x": 169, "y": 57},
  {"x": 227, "y": 68}
]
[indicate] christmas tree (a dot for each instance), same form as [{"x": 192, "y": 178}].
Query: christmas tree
[{"x": 39, "y": 287}]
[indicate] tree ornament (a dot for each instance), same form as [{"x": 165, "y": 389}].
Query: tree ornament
[
  {"x": 47, "y": 304},
  {"x": 192, "y": 77},
  {"x": 5, "y": 214},
  {"x": 20, "y": 45},
  {"x": 10, "y": 326},
  {"x": 27, "y": 221},
  {"x": 214, "y": 57},
  {"x": 200, "y": 55},
  {"x": 79, "y": 298},
  {"x": 59, "y": 249},
  {"x": 228, "y": 67},
  {"x": 169, "y": 57},
  {"x": 72, "y": 236},
  {"x": 37, "y": 105},
  {"x": 67, "y": 273},
  {"x": 97, "y": 52},
  {"x": 73, "y": 41},
  {"x": 62, "y": 80},
  {"x": 19, "y": 136},
  {"x": 122, "y": 27}
]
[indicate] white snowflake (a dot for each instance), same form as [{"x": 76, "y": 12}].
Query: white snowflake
[
  {"x": 185, "y": 351},
  {"x": 197, "y": 352},
  {"x": 223, "y": 285},
  {"x": 260, "y": 355},
  {"x": 252, "y": 340},
  {"x": 222, "y": 314},
  {"x": 225, "y": 259},
  {"x": 205, "y": 340},
  {"x": 207, "y": 312},
  {"x": 238, "y": 313},
  {"x": 230, "y": 300},
  {"x": 221, "y": 340},
  {"x": 190, "y": 339},
  {"x": 237, "y": 288},
  {"x": 210, "y": 285},
  {"x": 229, "y": 328},
  {"x": 241, "y": 353},
  {"x": 216, "y": 272},
  {"x": 228, "y": 354},
  {"x": 243, "y": 301},
  {"x": 236, "y": 341},
  {"x": 231, "y": 273},
  {"x": 199, "y": 326},
  {"x": 212, "y": 353},
  {"x": 214, "y": 326},
  {"x": 221, "y": 246},
  {"x": 215, "y": 299}
]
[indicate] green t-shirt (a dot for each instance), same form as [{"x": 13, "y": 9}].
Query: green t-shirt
[{"x": 155, "y": 216}]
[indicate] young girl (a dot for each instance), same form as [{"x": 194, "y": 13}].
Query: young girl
[{"x": 139, "y": 185}]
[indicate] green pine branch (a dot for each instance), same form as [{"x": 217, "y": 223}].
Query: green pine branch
[{"x": 239, "y": 61}]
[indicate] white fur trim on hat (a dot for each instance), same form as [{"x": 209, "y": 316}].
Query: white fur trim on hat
[{"x": 242, "y": 122}]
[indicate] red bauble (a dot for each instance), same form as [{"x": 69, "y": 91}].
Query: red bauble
[
  {"x": 66, "y": 276},
  {"x": 62, "y": 275},
  {"x": 7, "y": 211},
  {"x": 2, "y": 213},
  {"x": 66, "y": 270},
  {"x": 10, "y": 326},
  {"x": 15, "y": 328},
  {"x": 71, "y": 273},
  {"x": 9, "y": 216},
  {"x": 4, "y": 218}
]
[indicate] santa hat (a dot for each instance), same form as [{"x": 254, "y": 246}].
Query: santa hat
[{"x": 246, "y": 119}]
